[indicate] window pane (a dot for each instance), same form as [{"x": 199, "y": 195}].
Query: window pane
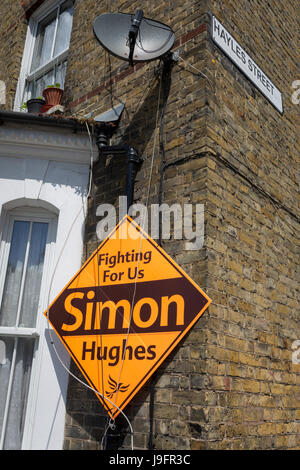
[
  {"x": 52, "y": 39},
  {"x": 56, "y": 75},
  {"x": 60, "y": 74},
  {"x": 33, "y": 278},
  {"x": 64, "y": 28},
  {"x": 44, "y": 42},
  {"x": 19, "y": 394},
  {"x": 48, "y": 38},
  {"x": 10, "y": 299},
  {"x": 36, "y": 87}
]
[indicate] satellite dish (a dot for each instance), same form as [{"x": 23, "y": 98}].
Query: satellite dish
[{"x": 132, "y": 37}]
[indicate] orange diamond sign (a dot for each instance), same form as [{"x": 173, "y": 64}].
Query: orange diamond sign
[{"x": 124, "y": 312}]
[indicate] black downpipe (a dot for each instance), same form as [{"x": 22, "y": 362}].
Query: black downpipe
[
  {"x": 115, "y": 437},
  {"x": 133, "y": 159}
]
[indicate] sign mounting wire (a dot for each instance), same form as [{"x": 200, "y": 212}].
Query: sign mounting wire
[
  {"x": 82, "y": 208},
  {"x": 143, "y": 227}
]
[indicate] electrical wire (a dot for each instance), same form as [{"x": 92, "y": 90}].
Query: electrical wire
[
  {"x": 166, "y": 73},
  {"x": 140, "y": 44},
  {"x": 197, "y": 70},
  {"x": 156, "y": 24},
  {"x": 91, "y": 162},
  {"x": 94, "y": 203},
  {"x": 48, "y": 300},
  {"x": 276, "y": 204},
  {"x": 143, "y": 228},
  {"x": 111, "y": 423}
]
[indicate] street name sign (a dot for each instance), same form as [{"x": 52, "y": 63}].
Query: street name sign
[
  {"x": 124, "y": 312},
  {"x": 247, "y": 65}
]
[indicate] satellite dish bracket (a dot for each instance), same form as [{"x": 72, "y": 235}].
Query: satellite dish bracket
[{"x": 133, "y": 32}]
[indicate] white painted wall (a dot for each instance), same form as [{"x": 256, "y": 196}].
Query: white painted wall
[{"x": 60, "y": 186}]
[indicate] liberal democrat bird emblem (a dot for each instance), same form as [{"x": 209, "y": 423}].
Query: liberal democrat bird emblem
[{"x": 115, "y": 387}]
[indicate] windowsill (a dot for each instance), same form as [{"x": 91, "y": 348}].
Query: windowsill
[{"x": 20, "y": 332}]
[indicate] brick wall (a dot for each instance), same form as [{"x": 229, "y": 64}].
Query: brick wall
[
  {"x": 13, "y": 28},
  {"x": 252, "y": 234},
  {"x": 179, "y": 401},
  {"x": 231, "y": 383},
  {"x": 252, "y": 268}
]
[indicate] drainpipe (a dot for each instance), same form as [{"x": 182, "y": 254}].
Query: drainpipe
[{"x": 133, "y": 158}]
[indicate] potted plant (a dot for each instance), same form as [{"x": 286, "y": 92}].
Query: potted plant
[
  {"x": 53, "y": 94},
  {"x": 34, "y": 105}
]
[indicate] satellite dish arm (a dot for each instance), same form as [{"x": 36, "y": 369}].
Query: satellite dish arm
[{"x": 133, "y": 32}]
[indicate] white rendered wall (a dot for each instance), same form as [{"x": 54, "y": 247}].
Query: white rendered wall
[{"x": 61, "y": 187}]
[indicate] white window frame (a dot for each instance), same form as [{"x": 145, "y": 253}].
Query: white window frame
[
  {"x": 31, "y": 215},
  {"x": 25, "y": 74}
]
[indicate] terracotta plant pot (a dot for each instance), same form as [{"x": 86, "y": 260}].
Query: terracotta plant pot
[
  {"x": 53, "y": 95},
  {"x": 35, "y": 105}
]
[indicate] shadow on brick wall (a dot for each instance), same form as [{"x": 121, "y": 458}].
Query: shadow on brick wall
[{"x": 109, "y": 176}]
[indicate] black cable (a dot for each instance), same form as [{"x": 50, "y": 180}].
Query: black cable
[
  {"x": 234, "y": 169},
  {"x": 140, "y": 44},
  {"x": 166, "y": 75},
  {"x": 151, "y": 414},
  {"x": 166, "y": 66}
]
